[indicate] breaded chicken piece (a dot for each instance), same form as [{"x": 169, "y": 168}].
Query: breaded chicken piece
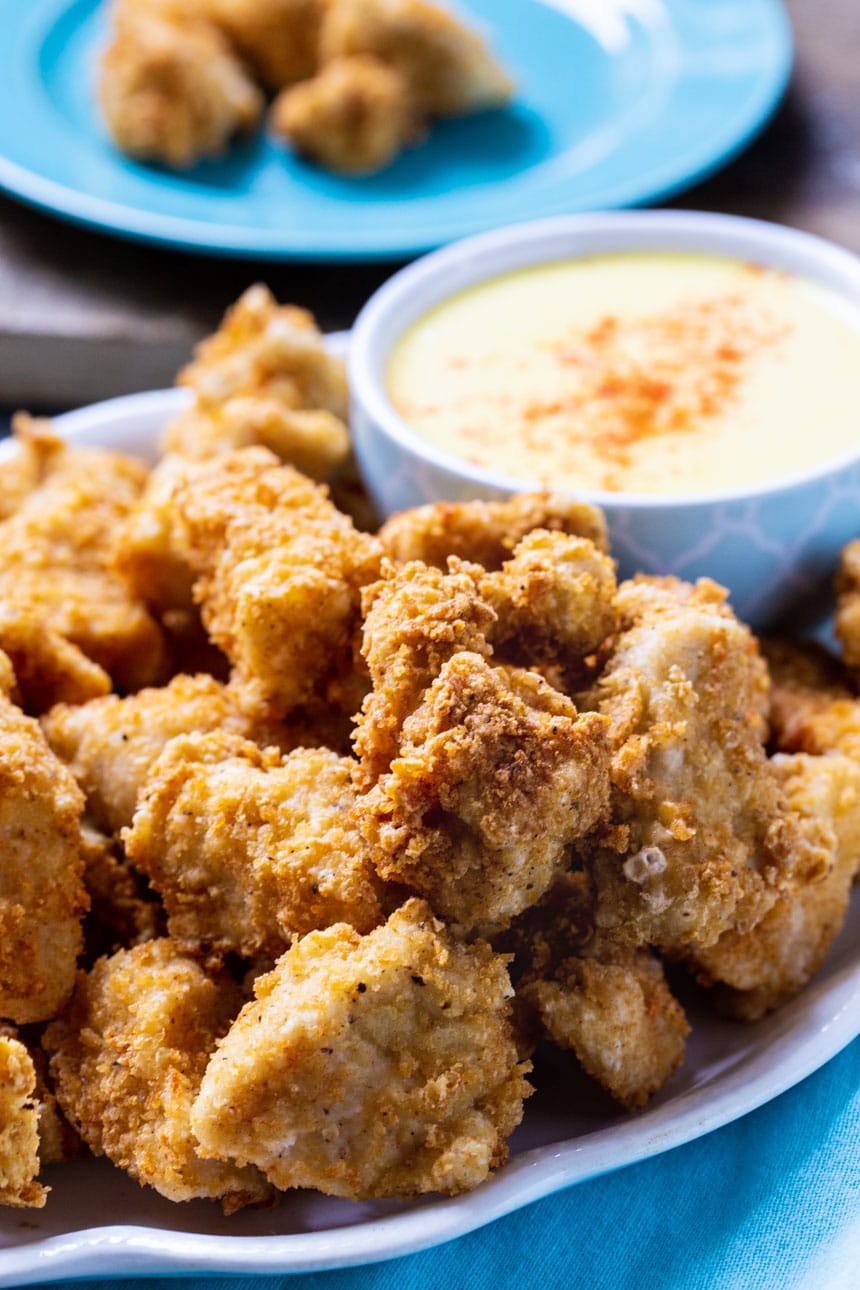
[
  {"x": 248, "y": 848},
  {"x": 757, "y": 970},
  {"x": 448, "y": 68},
  {"x": 606, "y": 1002},
  {"x": 122, "y": 912},
  {"x": 171, "y": 88},
  {"x": 268, "y": 350},
  {"x": 48, "y": 668},
  {"x": 496, "y": 777},
  {"x": 354, "y": 117},
  {"x": 313, "y": 440},
  {"x": 486, "y": 533},
  {"x": 415, "y": 620},
  {"x": 128, "y": 1057},
  {"x": 146, "y": 551},
  {"x": 553, "y": 600},
  {"x": 848, "y": 604},
  {"x": 38, "y": 448},
  {"x": 57, "y": 1140},
  {"x": 814, "y": 709},
  {"x": 19, "y": 1128},
  {"x": 42, "y": 896},
  {"x": 701, "y": 841},
  {"x": 110, "y": 744},
  {"x": 56, "y": 556},
  {"x": 278, "y": 39},
  {"x": 8, "y": 682},
  {"x": 382, "y": 1065},
  {"x": 280, "y": 577}
]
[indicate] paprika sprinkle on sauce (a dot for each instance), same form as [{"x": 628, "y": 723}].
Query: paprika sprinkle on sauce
[{"x": 636, "y": 372}]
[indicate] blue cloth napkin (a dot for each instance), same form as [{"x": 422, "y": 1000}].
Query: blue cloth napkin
[{"x": 771, "y": 1201}]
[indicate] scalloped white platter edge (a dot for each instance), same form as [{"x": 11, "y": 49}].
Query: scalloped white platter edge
[{"x": 98, "y": 1222}]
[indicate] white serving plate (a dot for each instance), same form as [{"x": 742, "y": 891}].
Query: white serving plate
[{"x": 98, "y": 1222}]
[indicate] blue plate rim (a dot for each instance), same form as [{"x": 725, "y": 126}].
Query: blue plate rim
[{"x": 133, "y": 223}]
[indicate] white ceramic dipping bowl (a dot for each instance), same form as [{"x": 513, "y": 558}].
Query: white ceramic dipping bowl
[{"x": 773, "y": 546}]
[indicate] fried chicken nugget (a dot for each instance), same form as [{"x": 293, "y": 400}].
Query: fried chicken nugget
[
  {"x": 57, "y": 1140},
  {"x": 382, "y": 1065},
  {"x": 496, "y": 777},
  {"x": 354, "y": 117},
  {"x": 280, "y": 577},
  {"x": 56, "y": 554},
  {"x": 701, "y": 839},
  {"x": 553, "y": 600},
  {"x": 128, "y": 1057},
  {"x": 48, "y": 668},
  {"x": 813, "y": 707},
  {"x": 848, "y": 604},
  {"x": 248, "y": 848},
  {"x": 415, "y": 620},
  {"x": 19, "y": 1130},
  {"x": 147, "y": 552},
  {"x": 486, "y": 533},
  {"x": 110, "y": 744},
  {"x": 313, "y": 440},
  {"x": 42, "y": 896},
  {"x": 757, "y": 970},
  {"x": 267, "y": 350},
  {"x": 448, "y": 68},
  {"x": 171, "y": 88},
  {"x": 606, "y": 1002},
  {"x": 278, "y": 39}
]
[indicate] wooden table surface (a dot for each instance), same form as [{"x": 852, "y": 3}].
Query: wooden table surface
[{"x": 84, "y": 316}]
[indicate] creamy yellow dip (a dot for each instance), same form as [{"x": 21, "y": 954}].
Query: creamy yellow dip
[{"x": 647, "y": 373}]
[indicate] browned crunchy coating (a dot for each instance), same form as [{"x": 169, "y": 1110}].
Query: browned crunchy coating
[
  {"x": 758, "y": 969},
  {"x": 48, "y": 668},
  {"x": 415, "y": 620},
  {"x": 42, "y": 897},
  {"x": 56, "y": 560},
  {"x": 448, "y": 68},
  {"x": 848, "y": 608},
  {"x": 486, "y": 532},
  {"x": 496, "y": 777},
  {"x": 277, "y": 38},
  {"x": 381, "y": 1065},
  {"x": 171, "y": 88},
  {"x": 19, "y": 1128},
  {"x": 607, "y": 1002},
  {"x": 814, "y": 709},
  {"x": 354, "y": 117},
  {"x": 128, "y": 1057},
  {"x": 111, "y": 743},
  {"x": 280, "y": 576},
  {"x": 57, "y": 1140},
  {"x": 248, "y": 848},
  {"x": 701, "y": 841}
]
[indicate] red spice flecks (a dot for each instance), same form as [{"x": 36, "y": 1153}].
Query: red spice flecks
[{"x": 662, "y": 374}]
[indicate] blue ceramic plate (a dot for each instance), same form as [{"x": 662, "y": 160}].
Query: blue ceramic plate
[{"x": 618, "y": 102}]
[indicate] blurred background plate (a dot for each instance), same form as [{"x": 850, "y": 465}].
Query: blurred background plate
[{"x": 619, "y": 102}]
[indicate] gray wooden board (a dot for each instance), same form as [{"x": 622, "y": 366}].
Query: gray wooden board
[{"x": 85, "y": 316}]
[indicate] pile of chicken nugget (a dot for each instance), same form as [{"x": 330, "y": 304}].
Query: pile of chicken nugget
[
  {"x": 310, "y": 834},
  {"x": 356, "y": 81}
]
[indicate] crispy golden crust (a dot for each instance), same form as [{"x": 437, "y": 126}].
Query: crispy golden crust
[
  {"x": 171, "y": 88},
  {"x": 19, "y": 1131},
  {"x": 249, "y": 848},
  {"x": 313, "y": 440},
  {"x": 42, "y": 897},
  {"x": 486, "y": 532},
  {"x": 415, "y": 620},
  {"x": 553, "y": 600},
  {"x": 848, "y": 607},
  {"x": 111, "y": 743},
  {"x": 277, "y": 38},
  {"x": 57, "y": 1140},
  {"x": 605, "y": 1001},
  {"x": 56, "y": 556},
  {"x": 280, "y": 576},
  {"x": 496, "y": 777},
  {"x": 48, "y": 668},
  {"x": 146, "y": 551},
  {"x": 448, "y": 68},
  {"x": 700, "y": 839},
  {"x": 355, "y": 116},
  {"x": 268, "y": 350},
  {"x": 128, "y": 1057},
  {"x": 370, "y": 1066},
  {"x": 813, "y": 707},
  {"x": 759, "y": 969}
]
